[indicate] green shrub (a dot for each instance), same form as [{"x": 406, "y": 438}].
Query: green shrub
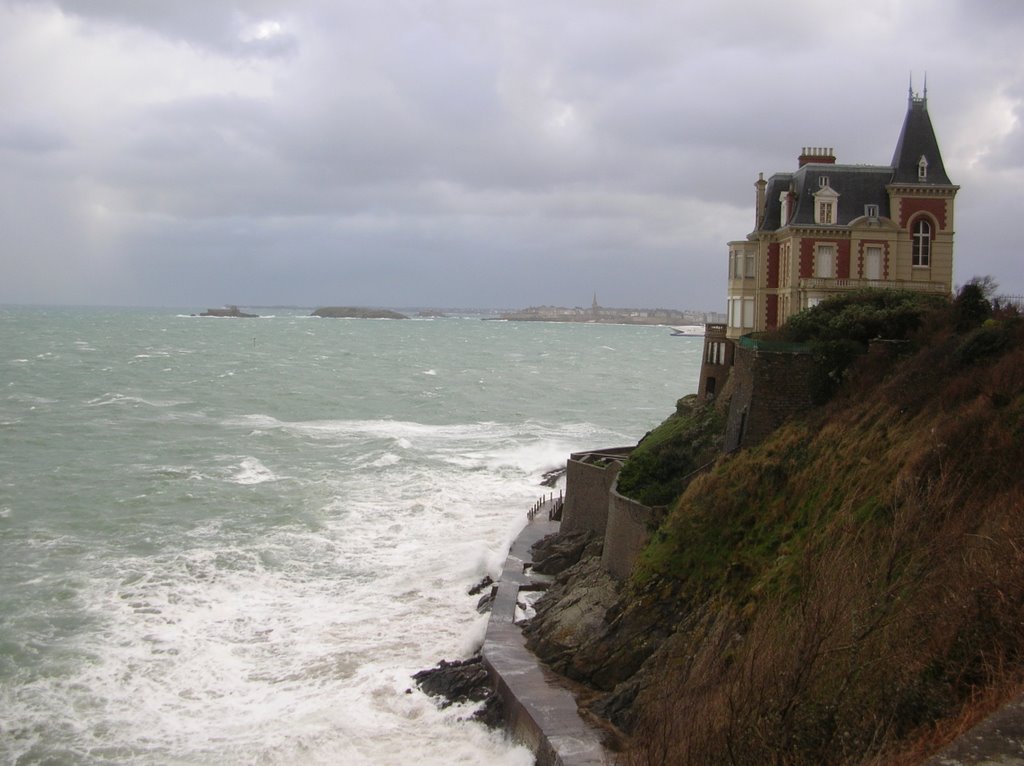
[{"x": 657, "y": 470}]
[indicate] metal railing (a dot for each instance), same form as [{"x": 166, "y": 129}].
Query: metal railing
[{"x": 546, "y": 500}]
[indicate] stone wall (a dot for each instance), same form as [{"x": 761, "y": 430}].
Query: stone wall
[
  {"x": 766, "y": 387},
  {"x": 592, "y": 503},
  {"x": 588, "y": 478},
  {"x": 628, "y": 531}
]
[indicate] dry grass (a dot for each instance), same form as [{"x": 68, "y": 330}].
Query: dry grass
[{"x": 857, "y": 583}]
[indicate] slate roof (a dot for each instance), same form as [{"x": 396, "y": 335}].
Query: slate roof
[
  {"x": 856, "y": 185},
  {"x": 917, "y": 139},
  {"x": 860, "y": 185}
]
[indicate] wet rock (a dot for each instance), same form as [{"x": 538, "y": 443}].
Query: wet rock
[
  {"x": 483, "y": 606},
  {"x": 589, "y": 629},
  {"x": 556, "y": 553},
  {"x": 550, "y": 478},
  {"x": 455, "y": 682},
  {"x": 485, "y": 583},
  {"x": 463, "y": 681}
]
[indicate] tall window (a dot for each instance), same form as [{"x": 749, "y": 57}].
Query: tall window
[
  {"x": 921, "y": 248},
  {"x": 824, "y": 262},
  {"x": 872, "y": 262},
  {"x": 824, "y": 212}
]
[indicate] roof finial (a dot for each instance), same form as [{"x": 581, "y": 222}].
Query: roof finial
[
  {"x": 925, "y": 88},
  {"x": 910, "y": 88}
]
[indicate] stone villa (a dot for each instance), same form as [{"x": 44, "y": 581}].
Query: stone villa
[{"x": 826, "y": 228}]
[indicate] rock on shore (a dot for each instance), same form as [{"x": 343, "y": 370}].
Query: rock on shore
[{"x": 462, "y": 681}]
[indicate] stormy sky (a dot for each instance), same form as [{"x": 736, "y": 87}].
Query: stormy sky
[{"x": 466, "y": 153}]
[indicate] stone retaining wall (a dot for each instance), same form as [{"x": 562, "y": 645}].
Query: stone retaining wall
[
  {"x": 588, "y": 478},
  {"x": 627, "y": 533}
]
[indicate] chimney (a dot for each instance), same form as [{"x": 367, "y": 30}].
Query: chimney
[
  {"x": 760, "y": 184},
  {"x": 817, "y": 154}
]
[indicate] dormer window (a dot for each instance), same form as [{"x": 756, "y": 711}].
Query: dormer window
[
  {"x": 826, "y": 205},
  {"x": 922, "y": 168},
  {"x": 871, "y": 211},
  {"x": 823, "y": 182},
  {"x": 783, "y": 209}
]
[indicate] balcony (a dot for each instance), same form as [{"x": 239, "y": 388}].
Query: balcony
[{"x": 829, "y": 284}]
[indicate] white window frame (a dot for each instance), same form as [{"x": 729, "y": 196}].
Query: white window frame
[
  {"x": 825, "y": 254},
  {"x": 826, "y": 206},
  {"x": 921, "y": 244},
  {"x": 869, "y": 251}
]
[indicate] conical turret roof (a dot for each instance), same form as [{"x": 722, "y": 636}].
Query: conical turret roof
[{"x": 917, "y": 140}]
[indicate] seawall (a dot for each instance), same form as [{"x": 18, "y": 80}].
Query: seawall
[{"x": 540, "y": 711}]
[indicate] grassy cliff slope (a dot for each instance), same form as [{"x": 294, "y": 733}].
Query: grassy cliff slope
[{"x": 852, "y": 590}]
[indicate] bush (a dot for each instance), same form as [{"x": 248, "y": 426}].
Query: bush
[{"x": 657, "y": 470}]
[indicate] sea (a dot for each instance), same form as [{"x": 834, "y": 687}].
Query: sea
[{"x": 233, "y": 541}]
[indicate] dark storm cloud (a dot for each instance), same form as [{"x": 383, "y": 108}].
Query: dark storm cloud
[{"x": 453, "y": 152}]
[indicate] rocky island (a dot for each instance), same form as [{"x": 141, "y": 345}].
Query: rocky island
[
  {"x": 352, "y": 312},
  {"x": 228, "y": 311}
]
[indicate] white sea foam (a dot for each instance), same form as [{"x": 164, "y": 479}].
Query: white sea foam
[
  {"x": 385, "y": 460},
  {"x": 252, "y": 471},
  {"x": 110, "y": 398},
  {"x": 430, "y": 372},
  {"x": 253, "y": 574}
]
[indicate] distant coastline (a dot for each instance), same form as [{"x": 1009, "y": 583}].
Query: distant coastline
[{"x": 602, "y": 315}]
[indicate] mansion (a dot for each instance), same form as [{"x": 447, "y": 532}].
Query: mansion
[{"x": 826, "y": 227}]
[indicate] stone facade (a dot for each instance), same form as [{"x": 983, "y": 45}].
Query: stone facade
[{"x": 767, "y": 386}]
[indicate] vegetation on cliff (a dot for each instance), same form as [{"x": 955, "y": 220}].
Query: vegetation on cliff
[
  {"x": 666, "y": 458},
  {"x": 851, "y": 590}
]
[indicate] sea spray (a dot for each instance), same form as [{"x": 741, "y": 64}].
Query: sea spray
[{"x": 220, "y": 551}]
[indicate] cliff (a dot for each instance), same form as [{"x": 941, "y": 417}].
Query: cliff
[{"x": 849, "y": 591}]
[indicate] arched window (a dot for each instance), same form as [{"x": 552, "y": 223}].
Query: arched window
[{"x": 921, "y": 248}]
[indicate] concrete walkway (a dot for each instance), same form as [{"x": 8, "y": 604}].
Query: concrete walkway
[
  {"x": 540, "y": 712},
  {"x": 996, "y": 741}
]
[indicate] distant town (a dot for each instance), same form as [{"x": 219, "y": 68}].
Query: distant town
[{"x": 598, "y": 313}]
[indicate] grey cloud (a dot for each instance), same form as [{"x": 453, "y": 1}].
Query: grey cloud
[
  {"x": 34, "y": 137},
  {"x": 223, "y": 25},
  {"x": 502, "y": 155}
]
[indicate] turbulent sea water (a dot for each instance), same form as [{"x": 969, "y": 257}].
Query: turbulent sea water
[{"x": 231, "y": 541}]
